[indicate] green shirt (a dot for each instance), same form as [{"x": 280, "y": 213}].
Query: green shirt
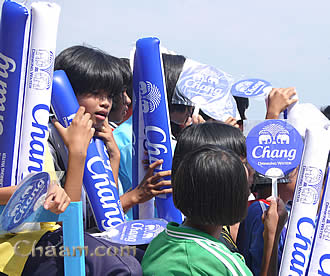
[{"x": 184, "y": 251}]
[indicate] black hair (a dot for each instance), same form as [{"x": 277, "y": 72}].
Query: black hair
[
  {"x": 242, "y": 105},
  {"x": 326, "y": 111},
  {"x": 173, "y": 65},
  {"x": 90, "y": 70},
  {"x": 215, "y": 133},
  {"x": 210, "y": 186},
  {"x": 127, "y": 76}
]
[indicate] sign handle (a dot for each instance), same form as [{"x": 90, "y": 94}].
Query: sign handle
[{"x": 274, "y": 187}]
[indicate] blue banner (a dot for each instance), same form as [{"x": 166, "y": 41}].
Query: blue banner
[
  {"x": 23, "y": 203},
  {"x": 149, "y": 81},
  {"x": 14, "y": 32},
  {"x": 135, "y": 232},
  {"x": 101, "y": 190},
  {"x": 274, "y": 145},
  {"x": 251, "y": 88}
]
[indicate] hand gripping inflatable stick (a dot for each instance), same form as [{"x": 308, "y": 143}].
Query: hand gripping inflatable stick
[
  {"x": 14, "y": 34},
  {"x": 149, "y": 81},
  {"x": 101, "y": 189}
]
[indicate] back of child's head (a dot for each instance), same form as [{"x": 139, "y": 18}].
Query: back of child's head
[
  {"x": 214, "y": 133},
  {"x": 210, "y": 186},
  {"x": 90, "y": 70}
]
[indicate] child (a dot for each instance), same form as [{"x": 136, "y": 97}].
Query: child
[
  {"x": 76, "y": 137},
  {"x": 205, "y": 184},
  {"x": 96, "y": 78},
  {"x": 208, "y": 205}
]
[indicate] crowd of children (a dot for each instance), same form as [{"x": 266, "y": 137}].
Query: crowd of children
[{"x": 211, "y": 181}]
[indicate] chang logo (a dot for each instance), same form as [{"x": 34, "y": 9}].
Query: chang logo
[
  {"x": 274, "y": 134},
  {"x": 29, "y": 197},
  {"x": 243, "y": 87},
  {"x": 41, "y": 69},
  {"x": 6, "y": 65},
  {"x": 312, "y": 182},
  {"x": 155, "y": 149},
  {"x": 302, "y": 245},
  {"x": 105, "y": 194},
  {"x": 312, "y": 175},
  {"x": 150, "y": 96},
  {"x": 38, "y": 135}
]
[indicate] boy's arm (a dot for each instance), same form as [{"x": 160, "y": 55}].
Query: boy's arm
[
  {"x": 150, "y": 186},
  {"x": 274, "y": 219},
  {"x": 76, "y": 138},
  {"x": 6, "y": 193},
  {"x": 278, "y": 100}
]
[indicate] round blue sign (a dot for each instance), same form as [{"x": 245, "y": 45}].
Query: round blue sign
[
  {"x": 21, "y": 204},
  {"x": 274, "y": 148},
  {"x": 250, "y": 88},
  {"x": 135, "y": 232}
]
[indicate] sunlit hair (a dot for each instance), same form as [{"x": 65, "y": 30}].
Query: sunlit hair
[
  {"x": 210, "y": 186},
  {"x": 90, "y": 70},
  {"x": 214, "y": 133}
]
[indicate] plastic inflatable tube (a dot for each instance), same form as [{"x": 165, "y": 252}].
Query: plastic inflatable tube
[
  {"x": 14, "y": 36},
  {"x": 144, "y": 210},
  {"x": 33, "y": 140},
  {"x": 320, "y": 256},
  {"x": 148, "y": 79},
  {"x": 103, "y": 153},
  {"x": 301, "y": 226},
  {"x": 102, "y": 194}
]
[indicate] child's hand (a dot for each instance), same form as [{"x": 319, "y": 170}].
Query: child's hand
[
  {"x": 78, "y": 135},
  {"x": 105, "y": 133},
  {"x": 274, "y": 217},
  {"x": 151, "y": 184},
  {"x": 232, "y": 122},
  {"x": 278, "y": 100},
  {"x": 56, "y": 200}
]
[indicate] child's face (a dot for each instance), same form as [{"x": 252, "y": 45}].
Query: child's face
[
  {"x": 98, "y": 105},
  {"x": 119, "y": 114}
]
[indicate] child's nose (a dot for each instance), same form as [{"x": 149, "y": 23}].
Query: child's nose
[{"x": 127, "y": 99}]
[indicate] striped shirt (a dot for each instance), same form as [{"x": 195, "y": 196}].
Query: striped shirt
[{"x": 184, "y": 251}]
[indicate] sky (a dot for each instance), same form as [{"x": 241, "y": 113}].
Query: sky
[{"x": 284, "y": 42}]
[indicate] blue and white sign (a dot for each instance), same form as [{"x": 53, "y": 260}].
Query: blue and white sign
[
  {"x": 148, "y": 81},
  {"x": 14, "y": 37},
  {"x": 23, "y": 203},
  {"x": 251, "y": 88},
  {"x": 274, "y": 148},
  {"x": 135, "y": 232},
  {"x": 206, "y": 87}
]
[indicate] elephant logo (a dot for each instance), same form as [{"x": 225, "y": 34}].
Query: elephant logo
[
  {"x": 265, "y": 138},
  {"x": 274, "y": 134},
  {"x": 244, "y": 86},
  {"x": 150, "y": 96},
  {"x": 43, "y": 58},
  {"x": 308, "y": 195},
  {"x": 282, "y": 138},
  {"x": 41, "y": 81},
  {"x": 312, "y": 175},
  {"x": 213, "y": 80},
  {"x": 326, "y": 233}
]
